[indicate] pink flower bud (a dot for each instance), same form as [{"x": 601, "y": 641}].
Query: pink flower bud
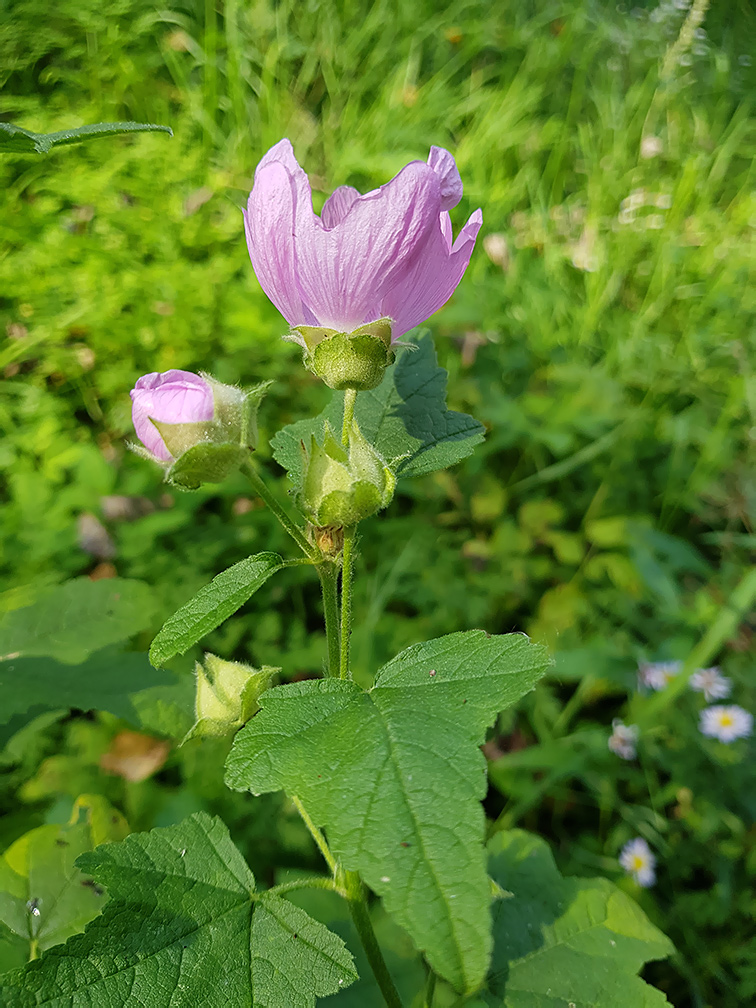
[
  {"x": 386, "y": 255},
  {"x": 173, "y": 397}
]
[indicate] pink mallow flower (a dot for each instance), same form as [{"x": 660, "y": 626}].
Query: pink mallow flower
[
  {"x": 386, "y": 254},
  {"x": 173, "y": 397}
]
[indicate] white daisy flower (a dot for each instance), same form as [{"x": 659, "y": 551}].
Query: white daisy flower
[
  {"x": 658, "y": 675},
  {"x": 622, "y": 740},
  {"x": 711, "y": 683},
  {"x": 637, "y": 860},
  {"x": 726, "y": 722}
]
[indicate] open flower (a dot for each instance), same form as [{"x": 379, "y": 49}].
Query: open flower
[
  {"x": 726, "y": 722},
  {"x": 622, "y": 740},
  {"x": 174, "y": 397},
  {"x": 637, "y": 860},
  {"x": 711, "y": 683},
  {"x": 385, "y": 255},
  {"x": 658, "y": 675}
]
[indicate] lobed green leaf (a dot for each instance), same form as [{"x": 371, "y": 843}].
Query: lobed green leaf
[
  {"x": 212, "y": 605},
  {"x": 395, "y": 775},
  {"x": 184, "y": 926}
]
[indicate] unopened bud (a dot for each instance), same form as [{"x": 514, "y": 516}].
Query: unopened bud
[
  {"x": 197, "y": 428},
  {"x": 342, "y": 485},
  {"x": 228, "y": 695}
]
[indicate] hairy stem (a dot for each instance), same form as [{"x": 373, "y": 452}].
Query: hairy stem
[
  {"x": 294, "y": 530},
  {"x": 358, "y": 907},
  {"x": 329, "y": 576},
  {"x": 316, "y": 835},
  {"x": 316, "y": 882},
  {"x": 347, "y": 570},
  {"x": 350, "y": 397}
]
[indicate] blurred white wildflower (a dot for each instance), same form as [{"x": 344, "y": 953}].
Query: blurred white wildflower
[
  {"x": 651, "y": 147},
  {"x": 634, "y": 201},
  {"x": 585, "y": 254},
  {"x": 711, "y": 683},
  {"x": 637, "y": 860},
  {"x": 658, "y": 675},
  {"x": 496, "y": 248},
  {"x": 655, "y": 221},
  {"x": 726, "y": 722},
  {"x": 664, "y": 201},
  {"x": 622, "y": 740}
]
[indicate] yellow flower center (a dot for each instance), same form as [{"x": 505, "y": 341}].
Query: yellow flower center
[
  {"x": 638, "y": 862},
  {"x": 725, "y": 720}
]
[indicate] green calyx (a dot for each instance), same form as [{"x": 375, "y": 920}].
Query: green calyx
[
  {"x": 228, "y": 695},
  {"x": 355, "y": 360},
  {"x": 342, "y": 485},
  {"x": 208, "y": 451}
]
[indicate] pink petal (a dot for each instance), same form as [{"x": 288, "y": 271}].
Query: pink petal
[
  {"x": 337, "y": 206},
  {"x": 345, "y": 271},
  {"x": 445, "y": 167},
  {"x": 269, "y": 227},
  {"x": 171, "y": 397},
  {"x": 433, "y": 276}
]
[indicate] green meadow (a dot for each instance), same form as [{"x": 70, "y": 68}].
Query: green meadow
[{"x": 603, "y": 333}]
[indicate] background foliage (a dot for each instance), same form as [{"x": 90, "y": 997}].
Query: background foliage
[{"x": 603, "y": 340}]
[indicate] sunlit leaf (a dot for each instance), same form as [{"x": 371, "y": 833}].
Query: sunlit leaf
[{"x": 395, "y": 775}]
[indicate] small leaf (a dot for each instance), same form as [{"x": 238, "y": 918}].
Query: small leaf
[
  {"x": 15, "y": 139},
  {"x": 212, "y": 605},
  {"x": 44, "y": 898},
  {"x": 405, "y": 418},
  {"x": 74, "y": 619},
  {"x": 396, "y": 775},
  {"x": 184, "y": 926},
  {"x": 565, "y": 941}
]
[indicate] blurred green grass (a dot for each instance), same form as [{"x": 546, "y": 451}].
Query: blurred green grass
[{"x": 604, "y": 331}]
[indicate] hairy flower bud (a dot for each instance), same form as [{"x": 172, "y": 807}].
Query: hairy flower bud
[
  {"x": 227, "y": 695},
  {"x": 197, "y": 428},
  {"x": 342, "y": 485}
]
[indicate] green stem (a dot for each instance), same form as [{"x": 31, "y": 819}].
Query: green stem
[
  {"x": 358, "y": 908},
  {"x": 350, "y": 397},
  {"x": 288, "y": 523},
  {"x": 329, "y": 576},
  {"x": 316, "y": 835},
  {"x": 347, "y": 570},
  {"x": 430, "y": 989},
  {"x": 315, "y": 882}
]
